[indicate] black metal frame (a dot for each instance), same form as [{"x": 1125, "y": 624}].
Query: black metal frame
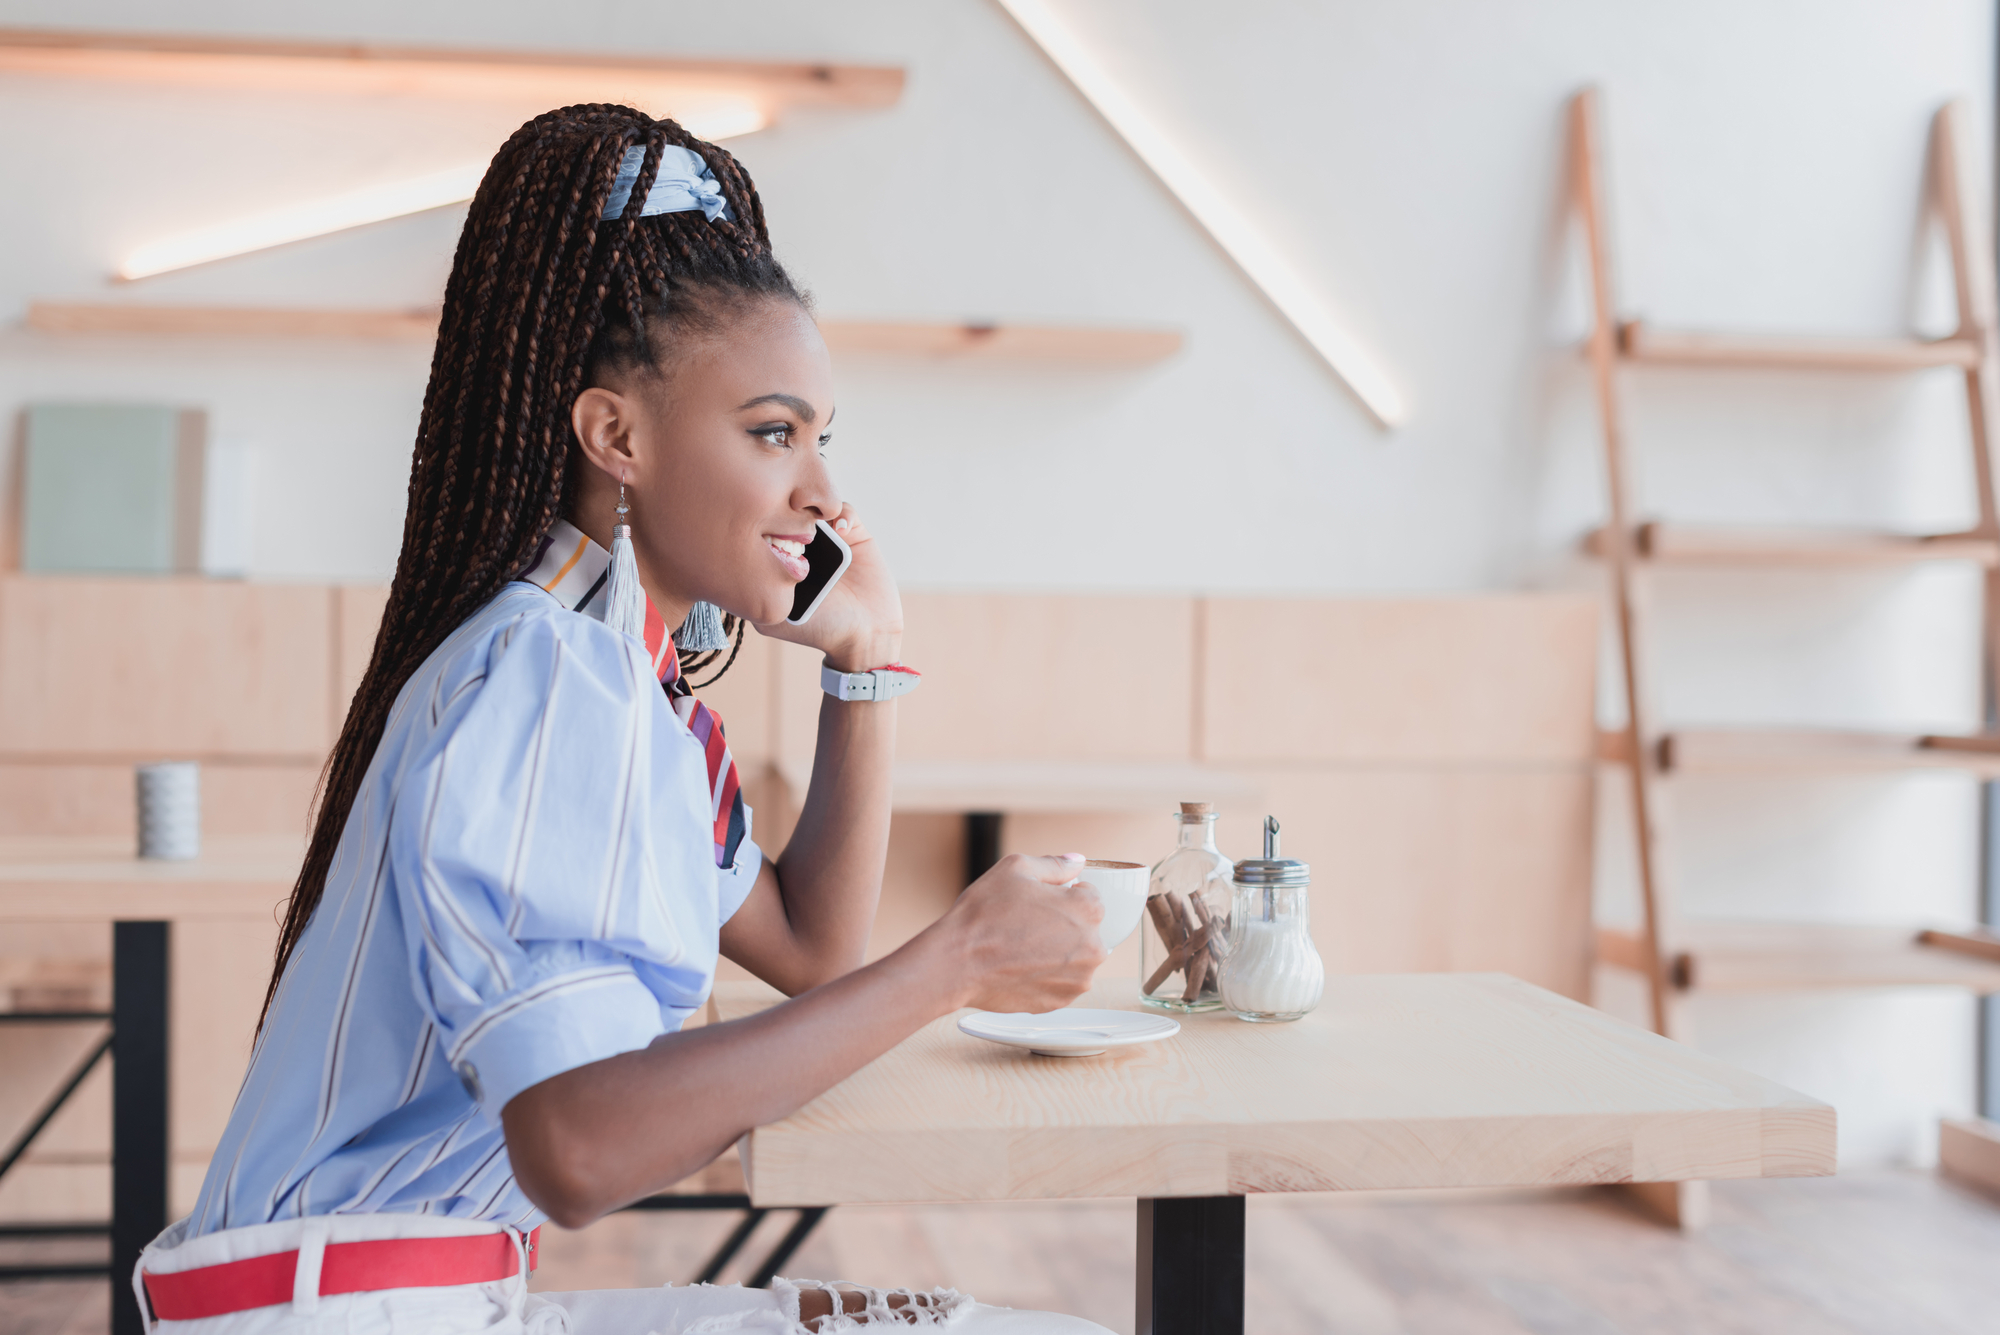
[
  {"x": 140, "y": 1146},
  {"x": 982, "y": 843},
  {"x": 43, "y": 1116},
  {"x": 137, "y": 1044},
  {"x": 1190, "y": 1271},
  {"x": 753, "y": 1215}
]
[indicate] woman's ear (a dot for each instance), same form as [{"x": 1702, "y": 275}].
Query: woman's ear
[{"x": 602, "y": 421}]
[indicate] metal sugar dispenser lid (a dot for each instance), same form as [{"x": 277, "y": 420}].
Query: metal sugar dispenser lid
[{"x": 1272, "y": 870}]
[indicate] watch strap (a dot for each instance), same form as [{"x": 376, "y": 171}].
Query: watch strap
[{"x": 882, "y": 683}]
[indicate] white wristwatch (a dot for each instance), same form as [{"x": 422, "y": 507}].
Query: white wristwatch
[{"x": 882, "y": 683}]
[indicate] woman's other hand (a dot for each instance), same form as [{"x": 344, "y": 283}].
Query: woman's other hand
[
  {"x": 1026, "y": 936},
  {"x": 860, "y": 625}
]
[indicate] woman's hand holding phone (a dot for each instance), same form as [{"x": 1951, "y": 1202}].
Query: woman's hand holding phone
[{"x": 859, "y": 624}]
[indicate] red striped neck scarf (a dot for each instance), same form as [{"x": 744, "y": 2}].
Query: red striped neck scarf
[{"x": 573, "y": 568}]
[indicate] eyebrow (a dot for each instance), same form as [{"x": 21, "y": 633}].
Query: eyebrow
[{"x": 798, "y": 405}]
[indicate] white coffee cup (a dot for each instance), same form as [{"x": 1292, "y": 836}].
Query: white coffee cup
[{"x": 1121, "y": 888}]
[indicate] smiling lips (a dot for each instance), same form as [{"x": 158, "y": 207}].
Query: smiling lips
[{"x": 791, "y": 553}]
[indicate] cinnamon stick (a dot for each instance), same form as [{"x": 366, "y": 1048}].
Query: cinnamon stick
[
  {"x": 1165, "y": 910},
  {"x": 1197, "y": 971},
  {"x": 1198, "y": 963},
  {"x": 1177, "y": 958}
]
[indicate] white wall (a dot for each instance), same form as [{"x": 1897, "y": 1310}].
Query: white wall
[{"x": 1408, "y": 157}]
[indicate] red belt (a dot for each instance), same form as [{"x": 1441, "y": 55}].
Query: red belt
[{"x": 348, "y": 1267}]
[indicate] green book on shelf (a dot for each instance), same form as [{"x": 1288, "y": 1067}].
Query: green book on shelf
[{"x": 112, "y": 487}]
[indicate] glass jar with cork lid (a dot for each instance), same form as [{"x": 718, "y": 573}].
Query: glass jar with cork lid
[{"x": 1185, "y": 935}]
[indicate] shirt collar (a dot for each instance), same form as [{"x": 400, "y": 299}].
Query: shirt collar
[{"x": 572, "y": 568}]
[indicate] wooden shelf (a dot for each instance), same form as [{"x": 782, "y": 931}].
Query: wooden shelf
[
  {"x": 1638, "y": 342},
  {"x": 1969, "y": 1150},
  {"x": 545, "y": 78},
  {"x": 62, "y": 879},
  {"x": 1688, "y": 544},
  {"x": 54, "y": 317},
  {"x": 1979, "y": 942},
  {"x": 1071, "y": 343},
  {"x": 1828, "y": 750},
  {"x": 1725, "y": 956}
]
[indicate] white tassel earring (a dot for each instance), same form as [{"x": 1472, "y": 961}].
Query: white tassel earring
[
  {"x": 624, "y": 600},
  {"x": 702, "y": 631}
]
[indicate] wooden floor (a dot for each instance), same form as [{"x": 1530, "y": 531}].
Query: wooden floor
[{"x": 1864, "y": 1254}]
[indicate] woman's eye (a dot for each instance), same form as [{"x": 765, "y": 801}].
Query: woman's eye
[
  {"x": 775, "y": 435},
  {"x": 825, "y": 440}
]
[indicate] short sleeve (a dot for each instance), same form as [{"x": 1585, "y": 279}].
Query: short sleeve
[
  {"x": 537, "y": 839},
  {"x": 734, "y": 884}
]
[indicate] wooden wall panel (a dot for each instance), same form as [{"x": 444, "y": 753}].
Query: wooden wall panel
[
  {"x": 926, "y": 870},
  {"x": 185, "y": 667},
  {"x": 220, "y": 968},
  {"x": 919, "y": 884},
  {"x": 795, "y": 701},
  {"x": 1497, "y": 677},
  {"x": 357, "y": 616},
  {"x": 66, "y": 798},
  {"x": 1048, "y": 677},
  {"x": 258, "y": 799},
  {"x": 1440, "y": 869}
]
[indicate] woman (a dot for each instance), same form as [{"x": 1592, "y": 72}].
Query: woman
[{"x": 532, "y": 846}]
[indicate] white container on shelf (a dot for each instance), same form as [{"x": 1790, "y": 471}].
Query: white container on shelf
[{"x": 170, "y": 810}]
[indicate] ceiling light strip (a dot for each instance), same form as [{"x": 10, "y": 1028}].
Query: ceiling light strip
[
  {"x": 1234, "y": 232},
  {"x": 299, "y": 222}
]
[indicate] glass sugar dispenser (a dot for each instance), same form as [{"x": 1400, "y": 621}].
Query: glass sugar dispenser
[
  {"x": 1185, "y": 933},
  {"x": 1271, "y": 971}
]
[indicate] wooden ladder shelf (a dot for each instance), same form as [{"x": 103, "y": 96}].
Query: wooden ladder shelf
[{"x": 1673, "y": 954}]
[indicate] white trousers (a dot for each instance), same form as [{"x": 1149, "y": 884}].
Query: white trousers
[{"x": 505, "y": 1307}]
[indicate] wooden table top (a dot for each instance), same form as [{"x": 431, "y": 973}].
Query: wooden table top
[
  {"x": 1396, "y": 1081},
  {"x": 102, "y": 880}
]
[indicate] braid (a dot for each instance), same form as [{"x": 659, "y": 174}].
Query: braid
[{"x": 543, "y": 297}]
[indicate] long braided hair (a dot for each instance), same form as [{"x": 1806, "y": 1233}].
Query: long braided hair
[{"x": 543, "y": 298}]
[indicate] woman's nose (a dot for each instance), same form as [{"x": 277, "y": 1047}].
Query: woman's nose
[{"x": 817, "y": 494}]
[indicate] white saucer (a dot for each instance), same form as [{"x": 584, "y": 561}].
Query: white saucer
[{"x": 1070, "y": 1032}]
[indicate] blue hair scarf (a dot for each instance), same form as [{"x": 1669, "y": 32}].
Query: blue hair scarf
[{"x": 683, "y": 184}]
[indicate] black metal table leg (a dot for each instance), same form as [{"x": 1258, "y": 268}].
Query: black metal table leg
[
  {"x": 794, "y": 1238},
  {"x": 139, "y": 1150},
  {"x": 1191, "y": 1266},
  {"x": 982, "y": 843},
  {"x": 730, "y": 1246}
]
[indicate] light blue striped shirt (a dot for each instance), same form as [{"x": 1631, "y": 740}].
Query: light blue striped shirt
[{"x": 526, "y": 884}]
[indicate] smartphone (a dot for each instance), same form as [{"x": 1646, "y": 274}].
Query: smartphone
[{"x": 827, "y": 559}]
